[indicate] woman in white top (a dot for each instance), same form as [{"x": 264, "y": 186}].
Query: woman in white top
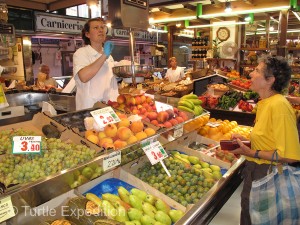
[
  {"x": 92, "y": 67},
  {"x": 174, "y": 73}
]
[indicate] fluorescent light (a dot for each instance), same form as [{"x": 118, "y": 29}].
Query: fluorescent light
[
  {"x": 175, "y": 19},
  {"x": 271, "y": 28},
  {"x": 224, "y": 23},
  {"x": 278, "y": 8},
  {"x": 156, "y": 30},
  {"x": 296, "y": 14}
]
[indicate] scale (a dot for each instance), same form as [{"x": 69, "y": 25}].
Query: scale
[{"x": 124, "y": 14}]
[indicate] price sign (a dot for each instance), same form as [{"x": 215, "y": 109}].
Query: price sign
[
  {"x": 162, "y": 106},
  {"x": 105, "y": 116},
  {"x": 27, "y": 144},
  {"x": 112, "y": 160},
  {"x": 178, "y": 131},
  {"x": 213, "y": 124},
  {"x": 155, "y": 152},
  {"x": 6, "y": 209}
]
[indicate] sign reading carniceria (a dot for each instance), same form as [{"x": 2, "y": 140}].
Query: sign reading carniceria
[{"x": 55, "y": 23}]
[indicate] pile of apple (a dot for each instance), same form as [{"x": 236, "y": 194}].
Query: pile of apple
[
  {"x": 118, "y": 135},
  {"x": 144, "y": 106}
]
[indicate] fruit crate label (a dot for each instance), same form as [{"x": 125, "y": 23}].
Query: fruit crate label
[
  {"x": 213, "y": 124},
  {"x": 178, "y": 131},
  {"x": 112, "y": 160},
  {"x": 162, "y": 106},
  {"x": 27, "y": 144},
  {"x": 6, "y": 209},
  {"x": 105, "y": 116},
  {"x": 155, "y": 152}
]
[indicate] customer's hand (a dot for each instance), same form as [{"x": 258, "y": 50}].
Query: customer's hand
[
  {"x": 238, "y": 136},
  {"x": 243, "y": 149},
  {"x": 108, "y": 47}
]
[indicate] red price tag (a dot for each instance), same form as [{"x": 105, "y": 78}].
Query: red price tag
[
  {"x": 27, "y": 144},
  {"x": 155, "y": 152},
  {"x": 105, "y": 116}
]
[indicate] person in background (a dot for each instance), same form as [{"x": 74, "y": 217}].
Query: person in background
[
  {"x": 174, "y": 73},
  {"x": 49, "y": 82},
  {"x": 92, "y": 66},
  {"x": 274, "y": 129}
]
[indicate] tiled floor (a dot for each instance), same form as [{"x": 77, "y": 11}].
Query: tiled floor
[{"x": 230, "y": 212}]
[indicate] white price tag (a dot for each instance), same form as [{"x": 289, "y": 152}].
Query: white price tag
[
  {"x": 105, "y": 116},
  {"x": 162, "y": 106},
  {"x": 112, "y": 160},
  {"x": 6, "y": 209},
  {"x": 155, "y": 152},
  {"x": 27, "y": 144},
  {"x": 213, "y": 124},
  {"x": 178, "y": 131}
]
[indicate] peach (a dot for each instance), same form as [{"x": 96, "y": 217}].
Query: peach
[
  {"x": 110, "y": 130},
  {"x": 123, "y": 123},
  {"x": 93, "y": 138},
  {"x": 89, "y": 132},
  {"x": 121, "y": 115},
  {"x": 141, "y": 135},
  {"x": 183, "y": 115},
  {"x": 132, "y": 101},
  {"x": 121, "y": 106},
  {"x": 152, "y": 115},
  {"x": 148, "y": 99},
  {"x": 154, "y": 122},
  {"x": 136, "y": 126},
  {"x": 138, "y": 100},
  {"x": 143, "y": 98},
  {"x": 167, "y": 124},
  {"x": 139, "y": 106},
  {"x": 143, "y": 110},
  {"x": 124, "y": 133},
  {"x": 179, "y": 119},
  {"x": 121, "y": 99},
  {"x": 135, "y": 111},
  {"x": 132, "y": 140},
  {"x": 101, "y": 135},
  {"x": 107, "y": 145},
  {"x": 105, "y": 140},
  {"x": 120, "y": 144},
  {"x": 173, "y": 121},
  {"x": 149, "y": 131},
  {"x": 175, "y": 110},
  {"x": 162, "y": 116}
]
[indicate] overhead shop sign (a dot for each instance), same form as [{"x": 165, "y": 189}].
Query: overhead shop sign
[
  {"x": 139, "y": 35},
  {"x": 55, "y": 23}
]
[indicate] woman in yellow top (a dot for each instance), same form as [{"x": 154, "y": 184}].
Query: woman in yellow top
[{"x": 274, "y": 129}]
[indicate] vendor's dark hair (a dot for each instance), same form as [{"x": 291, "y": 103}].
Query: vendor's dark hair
[
  {"x": 86, "y": 28},
  {"x": 280, "y": 69}
]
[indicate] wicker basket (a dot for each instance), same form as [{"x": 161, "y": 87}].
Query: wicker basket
[
  {"x": 199, "y": 73},
  {"x": 216, "y": 91}
]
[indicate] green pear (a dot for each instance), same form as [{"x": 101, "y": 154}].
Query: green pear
[
  {"x": 158, "y": 223},
  {"x": 204, "y": 164},
  {"x": 163, "y": 217},
  {"x": 216, "y": 175},
  {"x": 124, "y": 194},
  {"x": 207, "y": 174},
  {"x": 175, "y": 215},
  {"x": 121, "y": 215},
  {"x": 197, "y": 166},
  {"x": 129, "y": 223},
  {"x": 183, "y": 156},
  {"x": 135, "y": 202},
  {"x": 215, "y": 168},
  {"x": 136, "y": 222},
  {"x": 87, "y": 172},
  {"x": 108, "y": 209},
  {"x": 150, "y": 199},
  {"x": 139, "y": 193},
  {"x": 147, "y": 220},
  {"x": 134, "y": 214},
  {"x": 149, "y": 209},
  {"x": 110, "y": 197},
  {"x": 162, "y": 206},
  {"x": 193, "y": 159}
]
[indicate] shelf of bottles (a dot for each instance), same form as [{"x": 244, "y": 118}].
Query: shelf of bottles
[{"x": 200, "y": 45}]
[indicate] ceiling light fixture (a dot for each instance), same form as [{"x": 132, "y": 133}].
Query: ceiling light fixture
[
  {"x": 278, "y": 8},
  {"x": 92, "y": 3},
  {"x": 178, "y": 24},
  {"x": 224, "y": 23},
  {"x": 228, "y": 8},
  {"x": 175, "y": 19}
]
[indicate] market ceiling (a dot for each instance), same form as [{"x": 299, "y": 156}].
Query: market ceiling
[{"x": 160, "y": 9}]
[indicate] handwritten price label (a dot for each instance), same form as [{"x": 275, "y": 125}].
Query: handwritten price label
[
  {"x": 162, "y": 106},
  {"x": 27, "y": 144},
  {"x": 105, "y": 116},
  {"x": 112, "y": 160},
  {"x": 178, "y": 131},
  {"x": 6, "y": 209},
  {"x": 155, "y": 152}
]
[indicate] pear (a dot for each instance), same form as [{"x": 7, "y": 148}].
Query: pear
[
  {"x": 121, "y": 215},
  {"x": 110, "y": 197},
  {"x": 207, "y": 174},
  {"x": 122, "y": 203},
  {"x": 135, "y": 202},
  {"x": 193, "y": 159},
  {"x": 129, "y": 223},
  {"x": 149, "y": 209},
  {"x": 134, "y": 214},
  {"x": 204, "y": 164},
  {"x": 150, "y": 199},
  {"x": 139, "y": 193},
  {"x": 147, "y": 220},
  {"x": 124, "y": 194},
  {"x": 216, "y": 175},
  {"x": 162, "y": 206},
  {"x": 215, "y": 168},
  {"x": 175, "y": 215},
  {"x": 162, "y": 217},
  {"x": 108, "y": 209},
  {"x": 158, "y": 223},
  {"x": 136, "y": 222}
]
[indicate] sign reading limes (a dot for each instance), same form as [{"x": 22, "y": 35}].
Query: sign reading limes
[
  {"x": 105, "y": 116},
  {"x": 27, "y": 144}
]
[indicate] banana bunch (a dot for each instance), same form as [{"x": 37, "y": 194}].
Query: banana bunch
[{"x": 190, "y": 103}]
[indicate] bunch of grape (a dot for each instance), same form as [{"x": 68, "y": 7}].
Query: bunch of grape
[{"x": 55, "y": 156}]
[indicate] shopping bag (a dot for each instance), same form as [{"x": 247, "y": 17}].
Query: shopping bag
[{"x": 275, "y": 199}]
